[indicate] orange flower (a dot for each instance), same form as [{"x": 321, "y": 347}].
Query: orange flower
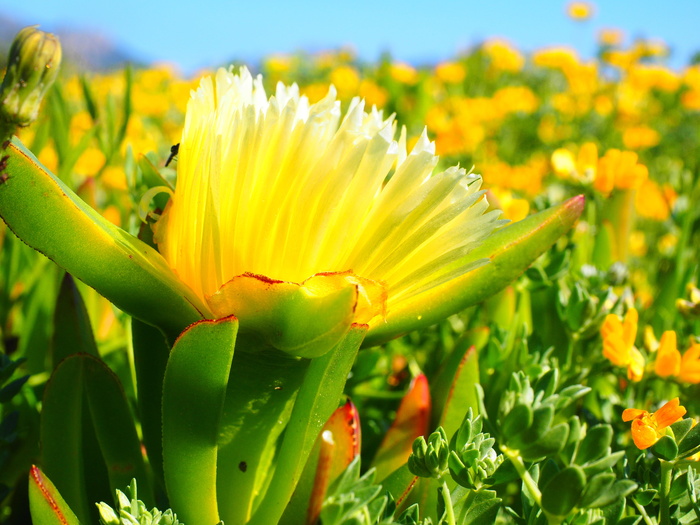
[
  {"x": 668, "y": 358},
  {"x": 648, "y": 428},
  {"x": 690, "y": 365},
  {"x": 618, "y": 343},
  {"x": 669, "y": 361}
]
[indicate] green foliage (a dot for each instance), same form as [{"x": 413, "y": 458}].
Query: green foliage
[{"x": 132, "y": 511}]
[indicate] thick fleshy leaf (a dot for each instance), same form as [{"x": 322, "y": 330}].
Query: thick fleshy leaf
[
  {"x": 47, "y": 215},
  {"x": 72, "y": 330},
  {"x": 318, "y": 398},
  {"x": 151, "y": 353},
  {"x": 336, "y": 446},
  {"x": 400, "y": 483},
  {"x": 89, "y": 443},
  {"x": 194, "y": 390},
  {"x": 509, "y": 251},
  {"x": 45, "y": 502},
  {"x": 412, "y": 420},
  {"x": 454, "y": 388},
  {"x": 261, "y": 391}
]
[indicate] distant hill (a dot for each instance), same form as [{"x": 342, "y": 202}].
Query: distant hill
[{"x": 83, "y": 49}]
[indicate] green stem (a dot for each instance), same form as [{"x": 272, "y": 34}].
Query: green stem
[
  {"x": 447, "y": 498},
  {"x": 519, "y": 464},
  {"x": 643, "y": 512},
  {"x": 664, "y": 490}
]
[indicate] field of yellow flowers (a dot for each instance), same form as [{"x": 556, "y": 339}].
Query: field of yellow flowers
[{"x": 600, "y": 337}]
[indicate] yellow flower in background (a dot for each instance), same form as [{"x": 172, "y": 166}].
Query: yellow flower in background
[
  {"x": 619, "y": 169},
  {"x": 404, "y": 73},
  {"x": 346, "y": 80},
  {"x": 648, "y": 428},
  {"x": 638, "y": 137},
  {"x": 611, "y": 36},
  {"x": 580, "y": 10},
  {"x": 373, "y": 94},
  {"x": 670, "y": 363},
  {"x": 651, "y": 201},
  {"x": 90, "y": 161},
  {"x": 451, "y": 72},
  {"x": 561, "y": 58},
  {"x": 668, "y": 358},
  {"x": 503, "y": 56},
  {"x": 690, "y": 365},
  {"x": 583, "y": 168},
  {"x": 279, "y": 194},
  {"x": 618, "y": 343}
]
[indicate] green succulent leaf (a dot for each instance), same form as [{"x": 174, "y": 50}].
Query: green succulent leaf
[
  {"x": 43, "y": 212},
  {"x": 45, "y": 502},
  {"x": 509, "y": 252},
  {"x": 564, "y": 491}
]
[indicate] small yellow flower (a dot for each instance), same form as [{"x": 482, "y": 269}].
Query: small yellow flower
[
  {"x": 648, "y": 428},
  {"x": 668, "y": 358},
  {"x": 690, "y": 365},
  {"x": 618, "y": 343}
]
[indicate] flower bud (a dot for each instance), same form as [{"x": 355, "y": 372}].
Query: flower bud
[{"x": 31, "y": 69}]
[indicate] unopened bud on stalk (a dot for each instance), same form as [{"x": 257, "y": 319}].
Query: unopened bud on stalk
[{"x": 31, "y": 69}]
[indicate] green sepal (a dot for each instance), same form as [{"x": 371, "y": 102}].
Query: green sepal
[
  {"x": 682, "y": 427},
  {"x": 509, "y": 251},
  {"x": 46, "y": 504},
  {"x": 690, "y": 442},
  {"x": 47, "y": 215},
  {"x": 194, "y": 390},
  {"x": 563, "y": 491},
  {"x": 665, "y": 448}
]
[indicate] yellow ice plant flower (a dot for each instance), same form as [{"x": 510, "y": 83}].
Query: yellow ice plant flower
[
  {"x": 618, "y": 343},
  {"x": 638, "y": 137},
  {"x": 451, "y": 72},
  {"x": 580, "y": 10},
  {"x": 651, "y": 201},
  {"x": 503, "y": 56},
  {"x": 610, "y": 36},
  {"x": 279, "y": 201},
  {"x": 648, "y": 428},
  {"x": 583, "y": 168}
]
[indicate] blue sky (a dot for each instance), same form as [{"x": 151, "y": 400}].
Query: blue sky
[{"x": 201, "y": 33}]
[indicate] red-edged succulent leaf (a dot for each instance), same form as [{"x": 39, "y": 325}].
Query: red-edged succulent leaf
[
  {"x": 412, "y": 420},
  {"x": 45, "y": 502}
]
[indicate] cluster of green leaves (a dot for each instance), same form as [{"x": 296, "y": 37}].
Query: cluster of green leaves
[{"x": 133, "y": 511}]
